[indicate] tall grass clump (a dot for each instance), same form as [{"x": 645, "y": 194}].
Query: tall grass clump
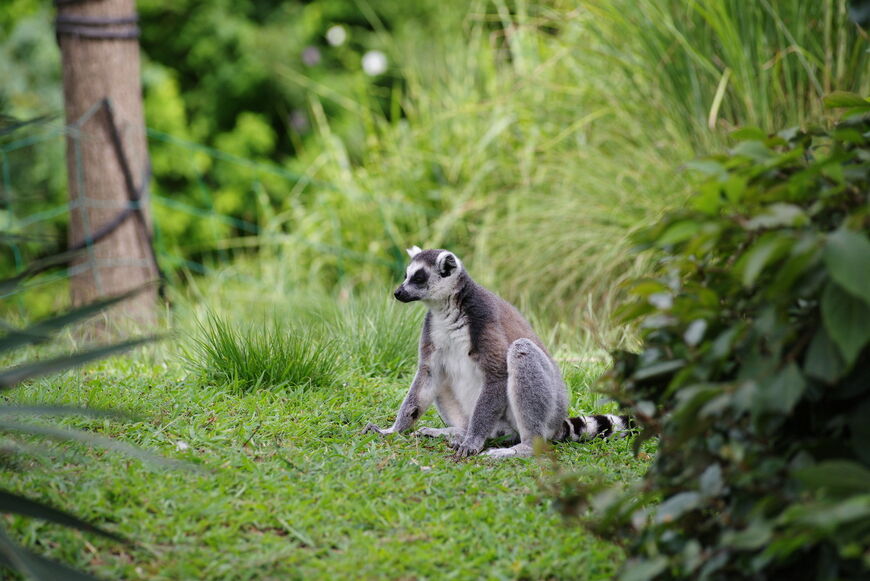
[
  {"x": 499, "y": 135},
  {"x": 378, "y": 334},
  {"x": 534, "y": 138},
  {"x": 248, "y": 357},
  {"x": 710, "y": 66}
]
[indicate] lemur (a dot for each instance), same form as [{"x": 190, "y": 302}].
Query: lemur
[{"x": 484, "y": 367}]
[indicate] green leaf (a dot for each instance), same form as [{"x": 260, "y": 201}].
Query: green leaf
[
  {"x": 790, "y": 133},
  {"x": 15, "y": 375},
  {"x": 748, "y": 134},
  {"x": 804, "y": 255},
  {"x": 734, "y": 187},
  {"x": 707, "y": 166},
  {"x": 708, "y": 200},
  {"x": 847, "y": 256},
  {"x": 710, "y": 482},
  {"x": 776, "y": 216},
  {"x": 755, "y": 150},
  {"x": 643, "y": 569},
  {"x": 15, "y": 504},
  {"x": 644, "y": 288},
  {"x": 839, "y": 477},
  {"x": 631, "y": 311},
  {"x": 823, "y": 360},
  {"x": 767, "y": 249},
  {"x": 679, "y": 232},
  {"x": 658, "y": 369},
  {"x": 784, "y": 391},
  {"x": 753, "y": 537},
  {"x": 676, "y": 506},
  {"x": 839, "y": 99},
  {"x": 847, "y": 319},
  {"x": 830, "y": 516},
  {"x": 848, "y": 135}
]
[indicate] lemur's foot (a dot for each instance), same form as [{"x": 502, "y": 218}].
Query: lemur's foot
[
  {"x": 454, "y": 435},
  {"x": 518, "y": 451},
  {"x": 373, "y": 428},
  {"x": 466, "y": 449}
]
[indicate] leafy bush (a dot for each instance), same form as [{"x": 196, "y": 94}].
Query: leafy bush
[
  {"x": 755, "y": 367},
  {"x": 250, "y": 356}
]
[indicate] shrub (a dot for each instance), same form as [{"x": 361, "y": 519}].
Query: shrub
[{"x": 755, "y": 367}]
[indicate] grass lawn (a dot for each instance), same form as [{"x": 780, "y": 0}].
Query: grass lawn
[{"x": 287, "y": 487}]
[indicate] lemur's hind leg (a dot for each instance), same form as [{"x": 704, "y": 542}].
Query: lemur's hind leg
[{"x": 536, "y": 396}]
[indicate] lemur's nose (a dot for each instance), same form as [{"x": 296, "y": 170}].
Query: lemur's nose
[{"x": 398, "y": 292}]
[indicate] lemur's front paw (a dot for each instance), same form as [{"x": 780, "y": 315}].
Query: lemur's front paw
[
  {"x": 373, "y": 428},
  {"x": 466, "y": 449}
]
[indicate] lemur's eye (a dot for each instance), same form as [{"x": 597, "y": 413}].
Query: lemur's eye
[{"x": 419, "y": 277}]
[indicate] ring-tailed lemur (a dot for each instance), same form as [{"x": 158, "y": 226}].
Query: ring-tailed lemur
[{"x": 483, "y": 366}]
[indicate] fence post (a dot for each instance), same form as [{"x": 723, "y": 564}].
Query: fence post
[{"x": 103, "y": 102}]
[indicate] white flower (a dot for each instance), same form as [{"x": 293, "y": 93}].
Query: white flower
[
  {"x": 336, "y": 35},
  {"x": 374, "y": 63},
  {"x": 181, "y": 445}
]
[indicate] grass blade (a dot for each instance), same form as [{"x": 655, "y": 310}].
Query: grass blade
[
  {"x": 13, "y": 503},
  {"x": 56, "y": 410},
  {"x": 63, "y": 434},
  {"x": 17, "y": 558},
  {"x": 16, "y": 375},
  {"x": 42, "y": 330}
]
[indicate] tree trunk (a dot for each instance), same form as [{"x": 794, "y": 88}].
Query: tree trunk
[{"x": 101, "y": 61}]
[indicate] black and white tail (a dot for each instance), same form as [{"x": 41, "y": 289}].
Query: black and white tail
[{"x": 597, "y": 426}]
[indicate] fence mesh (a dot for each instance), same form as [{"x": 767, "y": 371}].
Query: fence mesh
[{"x": 189, "y": 229}]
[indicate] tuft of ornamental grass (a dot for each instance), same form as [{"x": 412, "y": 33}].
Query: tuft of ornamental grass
[
  {"x": 709, "y": 66},
  {"x": 250, "y": 357},
  {"x": 378, "y": 334},
  {"x": 533, "y": 138}
]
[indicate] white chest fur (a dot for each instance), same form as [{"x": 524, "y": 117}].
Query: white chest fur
[{"x": 461, "y": 376}]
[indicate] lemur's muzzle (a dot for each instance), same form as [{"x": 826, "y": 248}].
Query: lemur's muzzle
[{"x": 403, "y": 295}]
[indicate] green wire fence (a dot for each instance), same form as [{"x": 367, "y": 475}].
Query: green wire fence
[{"x": 35, "y": 209}]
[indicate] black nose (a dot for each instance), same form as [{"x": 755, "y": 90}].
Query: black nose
[{"x": 402, "y": 295}]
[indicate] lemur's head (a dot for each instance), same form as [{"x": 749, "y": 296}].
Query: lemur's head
[{"x": 431, "y": 276}]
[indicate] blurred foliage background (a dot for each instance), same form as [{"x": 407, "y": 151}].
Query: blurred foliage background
[{"x": 304, "y": 145}]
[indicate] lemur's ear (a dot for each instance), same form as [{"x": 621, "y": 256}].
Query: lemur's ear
[
  {"x": 413, "y": 251},
  {"x": 446, "y": 263}
]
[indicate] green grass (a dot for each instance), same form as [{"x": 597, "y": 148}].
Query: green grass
[
  {"x": 536, "y": 137},
  {"x": 264, "y": 355},
  {"x": 287, "y": 487},
  {"x": 377, "y": 334},
  {"x": 714, "y": 65}
]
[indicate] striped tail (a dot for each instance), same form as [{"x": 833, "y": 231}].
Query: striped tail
[{"x": 597, "y": 426}]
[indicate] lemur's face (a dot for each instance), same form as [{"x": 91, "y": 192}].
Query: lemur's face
[{"x": 431, "y": 276}]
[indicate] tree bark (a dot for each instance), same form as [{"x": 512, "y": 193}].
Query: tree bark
[{"x": 95, "y": 69}]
